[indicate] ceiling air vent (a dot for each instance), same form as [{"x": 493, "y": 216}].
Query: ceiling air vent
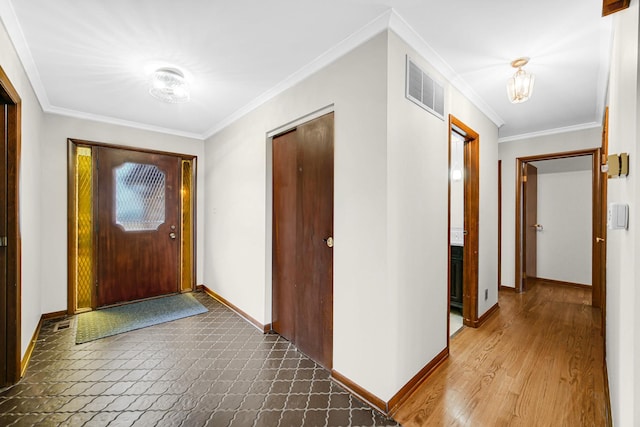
[{"x": 424, "y": 91}]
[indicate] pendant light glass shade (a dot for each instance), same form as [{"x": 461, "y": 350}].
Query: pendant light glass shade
[
  {"x": 169, "y": 85},
  {"x": 520, "y": 86}
]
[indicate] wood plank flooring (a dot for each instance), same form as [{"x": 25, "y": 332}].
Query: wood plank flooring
[{"x": 537, "y": 362}]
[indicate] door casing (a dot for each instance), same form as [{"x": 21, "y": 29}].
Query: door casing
[
  {"x": 188, "y": 254},
  {"x": 11, "y": 368},
  {"x": 598, "y": 219},
  {"x": 471, "y": 222}
]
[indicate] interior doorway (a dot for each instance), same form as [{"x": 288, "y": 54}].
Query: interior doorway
[
  {"x": 131, "y": 224},
  {"x": 464, "y": 210},
  {"x": 10, "y": 284},
  {"x": 302, "y": 293},
  {"x": 529, "y": 229}
]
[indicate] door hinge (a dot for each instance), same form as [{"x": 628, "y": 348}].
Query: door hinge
[
  {"x": 524, "y": 275},
  {"x": 524, "y": 178},
  {"x": 4, "y": 242}
]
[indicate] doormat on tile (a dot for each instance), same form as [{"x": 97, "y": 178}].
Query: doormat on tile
[{"x": 98, "y": 324}]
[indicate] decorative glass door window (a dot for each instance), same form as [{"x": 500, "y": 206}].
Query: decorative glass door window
[{"x": 139, "y": 196}]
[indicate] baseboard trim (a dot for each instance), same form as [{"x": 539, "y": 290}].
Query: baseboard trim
[
  {"x": 506, "y": 288},
  {"x": 262, "y": 328},
  {"x": 54, "y": 315},
  {"x": 363, "y": 394},
  {"x": 24, "y": 363},
  {"x": 32, "y": 345},
  {"x": 561, "y": 283},
  {"x": 607, "y": 396},
  {"x": 391, "y": 407},
  {"x": 486, "y": 316},
  {"x": 403, "y": 394}
]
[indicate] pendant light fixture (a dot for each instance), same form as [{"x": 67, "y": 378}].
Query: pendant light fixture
[
  {"x": 520, "y": 86},
  {"x": 169, "y": 85}
]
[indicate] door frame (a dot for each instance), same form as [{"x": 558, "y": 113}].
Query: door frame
[
  {"x": 471, "y": 222},
  {"x": 269, "y": 214},
  {"x": 597, "y": 216},
  {"x": 12, "y": 309},
  {"x": 187, "y": 253},
  {"x": 279, "y": 130}
]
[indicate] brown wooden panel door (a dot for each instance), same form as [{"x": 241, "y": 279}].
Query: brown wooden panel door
[
  {"x": 530, "y": 223},
  {"x": 303, "y": 224},
  {"x": 315, "y": 226},
  {"x": 285, "y": 190},
  {"x": 138, "y": 237}
]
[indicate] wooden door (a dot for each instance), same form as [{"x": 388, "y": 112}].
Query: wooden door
[
  {"x": 138, "y": 237},
  {"x": 303, "y": 234},
  {"x": 285, "y": 203},
  {"x": 530, "y": 223}
]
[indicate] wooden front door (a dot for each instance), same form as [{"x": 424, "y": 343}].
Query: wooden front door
[
  {"x": 137, "y": 208},
  {"x": 303, "y": 238},
  {"x": 530, "y": 224}
]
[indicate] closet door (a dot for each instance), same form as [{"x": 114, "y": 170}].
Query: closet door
[{"x": 303, "y": 238}]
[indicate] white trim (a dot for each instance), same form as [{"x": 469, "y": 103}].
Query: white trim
[
  {"x": 16, "y": 36},
  {"x": 120, "y": 122},
  {"x": 378, "y": 25},
  {"x": 411, "y": 37},
  {"x": 301, "y": 120},
  {"x": 574, "y": 128}
]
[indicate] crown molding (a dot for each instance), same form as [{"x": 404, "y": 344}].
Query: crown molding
[
  {"x": 16, "y": 36},
  {"x": 548, "y": 132},
  {"x": 120, "y": 122},
  {"x": 373, "y": 28},
  {"x": 390, "y": 20},
  {"x": 399, "y": 26}
]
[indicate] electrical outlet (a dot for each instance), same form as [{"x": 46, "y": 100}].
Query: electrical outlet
[{"x": 486, "y": 294}]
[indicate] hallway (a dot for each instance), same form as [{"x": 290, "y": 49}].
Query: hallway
[{"x": 536, "y": 362}]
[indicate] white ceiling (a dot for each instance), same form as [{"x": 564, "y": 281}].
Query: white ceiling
[{"x": 92, "y": 58}]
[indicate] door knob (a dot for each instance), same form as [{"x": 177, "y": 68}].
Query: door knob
[
  {"x": 329, "y": 241},
  {"x": 172, "y": 235}
]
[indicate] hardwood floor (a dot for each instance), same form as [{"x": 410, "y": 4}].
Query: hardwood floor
[{"x": 537, "y": 362}]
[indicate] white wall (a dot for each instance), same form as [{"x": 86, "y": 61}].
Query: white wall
[
  {"x": 53, "y": 236},
  {"x": 623, "y": 299},
  {"x": 418, "y": 208},
  {"x": 31, "y": 209},
  {"x": 508, "y": 153},
  {"x": 565, "y": 211},
  {"x": 390, "y": 212},
  {"x": 238, "y": 215}
]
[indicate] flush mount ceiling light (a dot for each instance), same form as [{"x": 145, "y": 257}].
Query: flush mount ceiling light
[
  {"x": 520, "y": 86},
  {"x": 169, "y": 85}
]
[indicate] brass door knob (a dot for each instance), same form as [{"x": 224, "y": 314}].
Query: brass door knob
[{"x": 329, "y": 241}]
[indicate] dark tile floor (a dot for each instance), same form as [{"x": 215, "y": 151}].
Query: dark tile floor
[{"x": 213, "y": 369}]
